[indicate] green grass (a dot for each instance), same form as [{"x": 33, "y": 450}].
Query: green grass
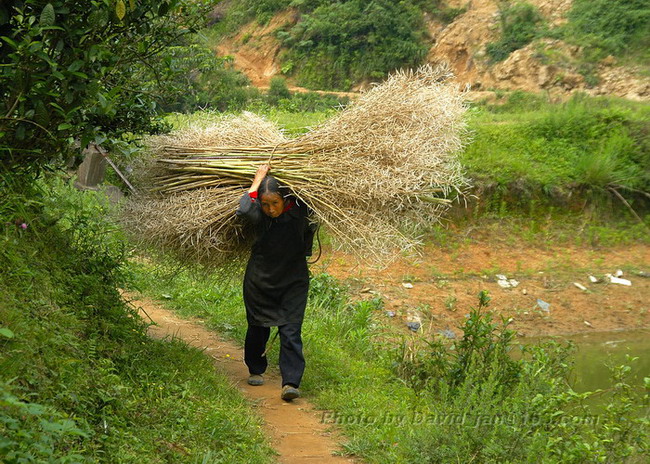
[
  {"x": 529, "y": 153},
  {"x": 80, "y": 381}
]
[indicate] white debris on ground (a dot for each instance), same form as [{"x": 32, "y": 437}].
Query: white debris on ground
[
  {"x": 618, "y": 280},
  {"x": 580, "y": 286},
  {"x": 504, "y": 282}
]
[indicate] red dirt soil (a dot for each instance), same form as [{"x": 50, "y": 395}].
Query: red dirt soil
[{"x": 446, "y": 283}]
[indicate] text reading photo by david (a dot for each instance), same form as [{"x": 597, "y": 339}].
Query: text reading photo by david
[{"x": 276, "y": 282}]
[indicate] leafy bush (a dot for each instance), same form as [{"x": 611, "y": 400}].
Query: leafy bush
[
  {"x": 612, "y": 26},
  {"x": 311, "y": 102},
  {"x": 243, "y": 11},
  {"x": 196, "y": 78},
  {"x": 277, "y": 90},
  {"x": 600, "y": 28},
  {"x": 340, "y": 43},
  {"x": 483, "y": 350},
  {"x": 448, "y": 15},
  {"x": 70, "y": 69},
  {"x": 32, "y": 432},
  {"x": 520, "y": 23}
]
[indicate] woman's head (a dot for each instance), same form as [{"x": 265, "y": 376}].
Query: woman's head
[{"x": 270, "y": 197}]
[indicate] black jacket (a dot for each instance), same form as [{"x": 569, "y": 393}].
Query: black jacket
[{"x": 276, "y": 281}]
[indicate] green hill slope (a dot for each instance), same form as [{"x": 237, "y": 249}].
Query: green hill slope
[{"x": 80, "y": 381}]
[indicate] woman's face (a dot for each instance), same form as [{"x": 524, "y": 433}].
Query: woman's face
[{"x": 272, "y": 204}]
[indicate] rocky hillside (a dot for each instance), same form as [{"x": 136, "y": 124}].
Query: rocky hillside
[{"x": 544, "y": 65}]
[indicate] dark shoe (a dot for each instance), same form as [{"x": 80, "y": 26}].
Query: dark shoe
[
  {"x": 289, "y": 393},
  {"x": 255, "y": 380}
]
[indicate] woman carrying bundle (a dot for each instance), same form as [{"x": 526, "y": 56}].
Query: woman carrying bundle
[{"x": 276, "y": 281}]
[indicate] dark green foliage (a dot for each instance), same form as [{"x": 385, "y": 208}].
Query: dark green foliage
[
  {"x": 438, "y": 10},
  {"x": 279, "y": 96},
  {"x": 277, "y": 90},
  {"x": 242, "y": 11},
  {"x": 340, "y": 43},
  {"x": 196, "y": 78},
  {"x": 520, "y": 24},
  {"x": 311, "y": 102},
  {"x": 613, "y": 26},
  {"x": 483, "y": 350},
  {"x": 264, "y": 9},
  {"x": 73, "y": 69},
  {"x": 32, "y": 432},
  {"x": 601, "y": 28},
  {"x": 448, "y": 15}
]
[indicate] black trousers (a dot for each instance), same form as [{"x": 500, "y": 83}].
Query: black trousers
[{"x": 292, "y": 362}]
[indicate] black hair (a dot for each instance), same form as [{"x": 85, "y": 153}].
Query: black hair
[{"x": 270, "y": 185}]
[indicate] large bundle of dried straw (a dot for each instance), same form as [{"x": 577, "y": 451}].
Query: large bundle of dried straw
[{"x": 383, "y": 164}]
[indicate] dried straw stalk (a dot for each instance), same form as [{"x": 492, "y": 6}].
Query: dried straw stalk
[{"x": 386, "y": 162}]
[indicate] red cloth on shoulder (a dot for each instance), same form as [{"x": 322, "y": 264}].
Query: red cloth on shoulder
[{"x": 290, "y": 204}]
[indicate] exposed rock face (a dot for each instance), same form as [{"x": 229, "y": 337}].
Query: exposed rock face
[
  {"x": 462, "y": 42},
  {"x": 523, "y": 70},
  {"x": 255, "y": 48},
  {"x": 546, "y": 65},
  {"x": 622, "y": 82}
]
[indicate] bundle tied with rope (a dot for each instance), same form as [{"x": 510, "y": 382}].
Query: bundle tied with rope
[{"x": 372, "y": 174}]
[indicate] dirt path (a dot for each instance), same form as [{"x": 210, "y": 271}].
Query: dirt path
[{"x": 294, "y": 429}]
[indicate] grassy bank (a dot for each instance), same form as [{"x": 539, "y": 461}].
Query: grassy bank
[
  {"x": 80, "y": 381},
  {"x": 575, "y": 154}
]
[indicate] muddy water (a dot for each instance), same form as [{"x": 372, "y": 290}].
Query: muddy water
[{"x": 596, "y": 351}]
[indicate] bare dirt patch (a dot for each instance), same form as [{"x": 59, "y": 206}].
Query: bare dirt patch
[
  {"x": 439, "y": 287},
  {"x": 294, "y": 429}
]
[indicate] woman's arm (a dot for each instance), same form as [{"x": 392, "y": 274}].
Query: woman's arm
[
  {"x": 261, "y": 173},
  {"x": 249, "y": 205}
]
